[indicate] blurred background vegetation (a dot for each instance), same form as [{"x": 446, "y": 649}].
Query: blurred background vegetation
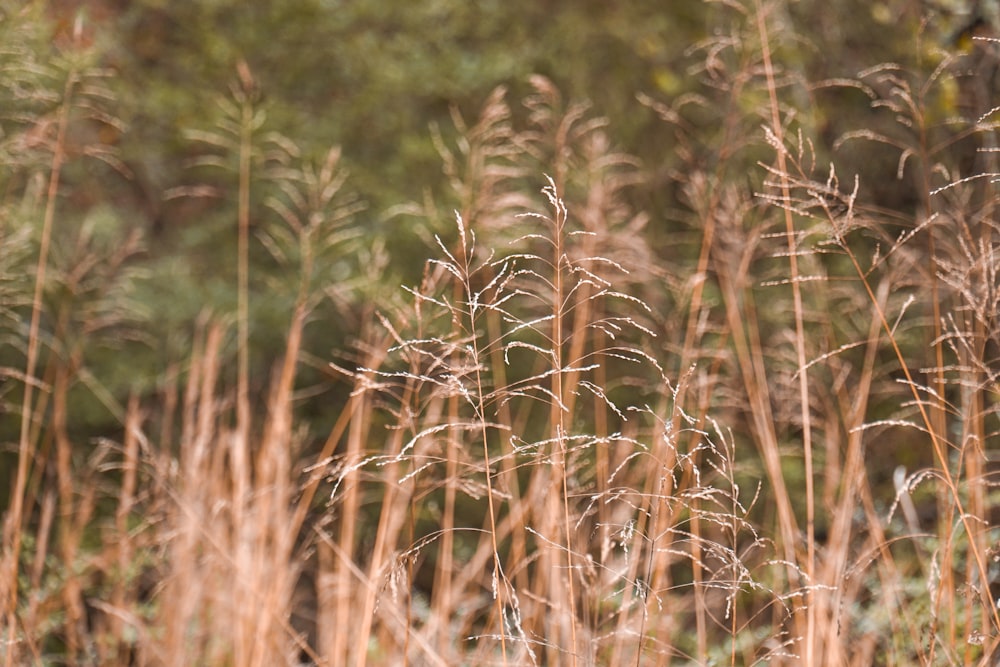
[{"x": 378, "y": 78}]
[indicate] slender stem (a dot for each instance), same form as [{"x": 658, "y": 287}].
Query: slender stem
[
  {"x": 499, "y": 577},
  {"x": 800, "y": 350},
  {"x": 558, "y": 417},
  {"x": 24, "y": 450},
  {"x": 243, "y": 268}
]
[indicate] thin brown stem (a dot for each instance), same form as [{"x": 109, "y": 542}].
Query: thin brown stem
[
  {"x": 12, "y": 527},
  {"x": 811, "y": 649}
]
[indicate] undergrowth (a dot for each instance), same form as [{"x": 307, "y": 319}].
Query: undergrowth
[{"x": 760, "y": 433}]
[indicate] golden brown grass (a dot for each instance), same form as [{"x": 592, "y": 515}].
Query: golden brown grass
[{"x": 767, "y": 442}]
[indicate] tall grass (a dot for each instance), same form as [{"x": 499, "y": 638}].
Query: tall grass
[{"x": 762, "y": 436}]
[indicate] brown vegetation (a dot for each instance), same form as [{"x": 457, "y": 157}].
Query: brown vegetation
[{"x": 767, "y": 441}]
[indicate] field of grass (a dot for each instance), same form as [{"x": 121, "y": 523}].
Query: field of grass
[{"x": 758, "y": 427}]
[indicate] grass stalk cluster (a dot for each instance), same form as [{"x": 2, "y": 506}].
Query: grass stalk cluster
[{"x": 759, "y": 432}]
